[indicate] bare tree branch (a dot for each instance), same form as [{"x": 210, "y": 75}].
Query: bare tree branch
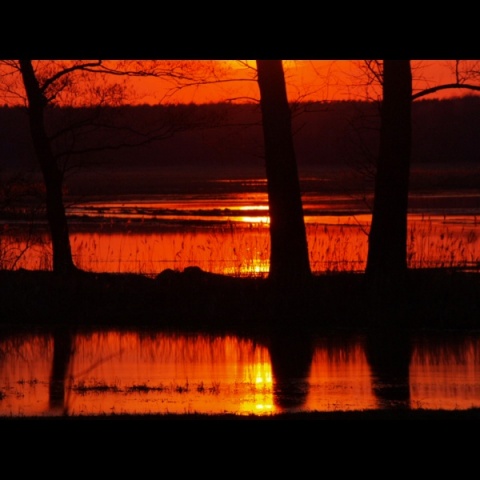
[{"x": 447, "y": 86}]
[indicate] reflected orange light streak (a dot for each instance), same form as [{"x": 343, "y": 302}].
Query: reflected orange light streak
[
  {"x": 328, "y": 373},
  {"x": 181, "y": 375},
  {"x": 113, "y": 372},
  {"x": 430, "y": 374},
  {"x": 253, "y": 220},
  {"x": 253, "y": 207},
  {"x": 195, "y": 209}
]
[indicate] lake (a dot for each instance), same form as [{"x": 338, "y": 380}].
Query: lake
[
  {"x": 118, "y": 372},
  {"x": 225, "y": 230}
]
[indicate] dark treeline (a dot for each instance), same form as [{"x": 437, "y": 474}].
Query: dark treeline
[{"x": 230, "y": 136}]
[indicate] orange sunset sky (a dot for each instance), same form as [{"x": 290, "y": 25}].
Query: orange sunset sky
[
  {"x": 309, "y": 80},
  {"x": 306, "y": 80}
]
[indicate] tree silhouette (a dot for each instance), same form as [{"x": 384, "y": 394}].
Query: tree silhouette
[
  {"x": 63, "y": 349},
  {"x": 387, "y": 248},
  {"x": 291, "y": 358},
  {"x": 50, "y": 84},
  {"x": 387, "y": 255},
  {"x": 52, "y": 175},
  {"x": 289, "y": 259},
  {"x": 389, "y": 355}
]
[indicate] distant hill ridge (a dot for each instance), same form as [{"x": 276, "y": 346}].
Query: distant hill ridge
[{"x": 230, "y": 136}]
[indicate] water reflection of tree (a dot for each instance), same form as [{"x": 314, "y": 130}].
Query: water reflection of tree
[
  {"x": 389, "y": 354},
  {"x": 62, "y": 355},
  {"x": 291, "y": 357}
]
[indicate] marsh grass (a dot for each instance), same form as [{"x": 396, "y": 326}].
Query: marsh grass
[
  {"x": 24, "y": 246},
  {"x": 337, "y": 248},
  {"x": 242, "y": 250},
  {"x": 449, "y": 245}
]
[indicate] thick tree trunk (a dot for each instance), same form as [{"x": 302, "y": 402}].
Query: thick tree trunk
[
  {"x": 289, "y": 258},
  {"x": 387, "y": 249},
  {"x": 57, "y": 219}
]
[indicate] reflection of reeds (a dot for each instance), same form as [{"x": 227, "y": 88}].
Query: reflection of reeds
[{"x": 242, "y": 250}]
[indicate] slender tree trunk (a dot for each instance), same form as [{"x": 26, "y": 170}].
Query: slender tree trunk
[
  {"x": 52, "y": 175},
  {"x": 387, "y": 249},
  {"x": 61, "y": 362},
  {"x": 289, "y": 258}
]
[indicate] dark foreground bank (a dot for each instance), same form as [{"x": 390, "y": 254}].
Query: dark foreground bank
[
  {"x": 392, "y": 414},
  {"x": 438, "y": 299}
]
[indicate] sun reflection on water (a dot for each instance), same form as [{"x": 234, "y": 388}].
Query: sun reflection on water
[{"x": 126, "y": 372}]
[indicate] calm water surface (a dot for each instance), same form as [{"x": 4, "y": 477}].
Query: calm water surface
[
  {"x": 72, "y": 373},
  {"x": 65, "y": 373}
]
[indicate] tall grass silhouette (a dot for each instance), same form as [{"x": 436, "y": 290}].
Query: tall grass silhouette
[{"x": 242, "y": 250}]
